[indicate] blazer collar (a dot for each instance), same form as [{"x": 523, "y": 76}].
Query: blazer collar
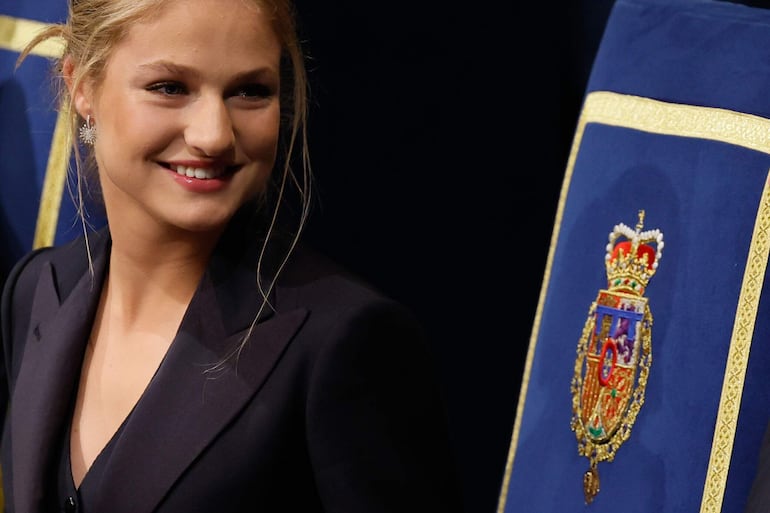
[
  {"x": 63, "y": 308},
  {"x": 181, "y": 393}
]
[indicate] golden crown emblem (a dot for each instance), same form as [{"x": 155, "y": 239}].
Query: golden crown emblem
[{"x": 632, "y": 262}]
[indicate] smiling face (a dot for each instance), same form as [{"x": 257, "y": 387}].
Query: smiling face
[{"x": 187, "y": 115}]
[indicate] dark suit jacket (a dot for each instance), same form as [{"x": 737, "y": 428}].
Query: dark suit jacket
[
  {"x": 331, "y": 405},
  {"x": 759, "y": 495}
]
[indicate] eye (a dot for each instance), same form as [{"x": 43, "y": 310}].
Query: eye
[
  {"x": 168, "y": 88},
  {"x": 253, "y": 91}
]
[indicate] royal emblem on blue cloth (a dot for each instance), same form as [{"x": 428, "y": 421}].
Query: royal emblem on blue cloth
[{"x": 615, "y": 350}]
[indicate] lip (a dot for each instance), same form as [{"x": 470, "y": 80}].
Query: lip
[
  {"x": 195, "y": 167},
  {"x": 201, "y": 185}
]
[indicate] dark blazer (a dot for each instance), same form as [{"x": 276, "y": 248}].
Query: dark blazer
[
  {"x": 759, "y": 494},
  {"x": 331, "y": 405}
]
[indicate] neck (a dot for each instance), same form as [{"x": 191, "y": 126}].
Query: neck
[{"x": 154, "y": 273}]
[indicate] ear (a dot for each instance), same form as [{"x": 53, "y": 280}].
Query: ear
[{"x": 82, "y": 93}]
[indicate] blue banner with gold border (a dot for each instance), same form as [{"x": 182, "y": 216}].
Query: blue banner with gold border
[
  {"x": 35, "y": 205},
  {"x": 675, "y": 124}
]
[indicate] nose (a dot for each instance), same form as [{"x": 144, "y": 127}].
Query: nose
[{"x": 209, "y": 127}]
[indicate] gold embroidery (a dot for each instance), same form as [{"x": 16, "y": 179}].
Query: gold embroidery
[{"x": 608, "y": 391}]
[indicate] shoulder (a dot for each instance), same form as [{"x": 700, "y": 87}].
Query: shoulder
[
  {"x": 68, "y": 262},
  {"x": 313, "y": 280},
  {"x": 23, "y": 277},
  {"x": 17, "y": 297},
  {"x": 69, "y": 259},
  {"x": 371, "y": 392},
  {"x": 346, "y": 313}
]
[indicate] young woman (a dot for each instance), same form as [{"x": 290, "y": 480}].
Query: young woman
[{"x": 192, "y": 356}]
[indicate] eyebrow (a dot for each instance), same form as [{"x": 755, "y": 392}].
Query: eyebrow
[{"x": 180, "y": 69}]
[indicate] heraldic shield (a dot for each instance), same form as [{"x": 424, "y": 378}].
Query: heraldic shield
[{"x": 615, "y": 350}]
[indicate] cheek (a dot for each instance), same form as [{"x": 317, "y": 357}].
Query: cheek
[
  {"x": 142, "y": 133},
  {"x": 130, "y": 128},
  {"x": 260, "y": 137}
]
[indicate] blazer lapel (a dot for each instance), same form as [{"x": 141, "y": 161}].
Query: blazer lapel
[
  {"x": 191, "y": 399},
  {"x": 41, "y": 398}
]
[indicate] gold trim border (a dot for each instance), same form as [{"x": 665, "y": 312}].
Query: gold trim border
[
  {"x": 53, "y": 185},
  {"x": 709, "y": 123},
  {"x": 738, "y": 359},
  {"x": 15, "y": 34}
]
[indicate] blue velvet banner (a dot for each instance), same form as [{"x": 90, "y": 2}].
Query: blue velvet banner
[
  {"x": 27, "y": 124},
  {"x": 675, "y": 123}
]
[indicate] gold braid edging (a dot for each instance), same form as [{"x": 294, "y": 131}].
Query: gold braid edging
[
  {"x": 53, "y": 186},
  {"x": 738, "y": 359}
]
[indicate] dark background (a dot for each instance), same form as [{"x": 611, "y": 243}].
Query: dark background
[{"x": 439, "y": 136}]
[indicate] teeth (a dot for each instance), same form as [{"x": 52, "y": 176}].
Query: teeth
[{"x": 197, "y": 172}]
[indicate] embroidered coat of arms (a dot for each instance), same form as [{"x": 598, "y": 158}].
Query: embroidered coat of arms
[{"x": 615, "y": 350}]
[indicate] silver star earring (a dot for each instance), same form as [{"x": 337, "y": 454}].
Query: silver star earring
[{"x": 88, "y": 132}]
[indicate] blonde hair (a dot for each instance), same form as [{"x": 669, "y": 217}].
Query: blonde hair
[{"x": 94, "y": 28}]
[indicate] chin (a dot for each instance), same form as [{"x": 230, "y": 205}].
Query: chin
[
  {"x": 197, "y": 222},
  {"x": 208, "y": 216},
  {"x": 204, "y": 226}
]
